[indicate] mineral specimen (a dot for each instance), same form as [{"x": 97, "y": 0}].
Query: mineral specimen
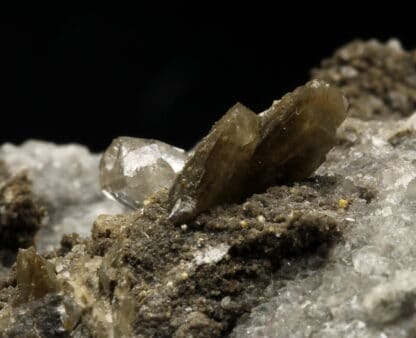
[
  {"x": 246, "y": 153},
  {"x": 243, "y": 153},
  {"x": 139, "y": 275},
  {"x": 133, "y": 169}
]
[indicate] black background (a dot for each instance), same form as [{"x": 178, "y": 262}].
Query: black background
[{"x": 167, "y": 72}]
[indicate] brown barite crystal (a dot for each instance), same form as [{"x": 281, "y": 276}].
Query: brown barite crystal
[
  {"x": 35, "y": 276},
  {"x": 218, "y": 167},
  {"x": 297, "y": 133},
  {"x": 246, "y": 153}
]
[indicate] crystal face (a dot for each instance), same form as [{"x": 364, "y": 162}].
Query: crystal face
[
  {"x": 297, "y": 132},
  {"x": 217, "y": 169},
  {"x": 133, "y": 169}
]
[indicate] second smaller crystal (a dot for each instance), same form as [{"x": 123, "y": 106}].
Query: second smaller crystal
[{"x": 133, "y": 169}]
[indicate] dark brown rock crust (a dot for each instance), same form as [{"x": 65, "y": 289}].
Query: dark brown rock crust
[{"x": 155, "y": 279}]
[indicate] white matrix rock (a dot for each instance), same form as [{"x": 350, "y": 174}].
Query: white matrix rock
[
  {"x": 367, "y": 286},
  {"x": 65, "y": 180}
]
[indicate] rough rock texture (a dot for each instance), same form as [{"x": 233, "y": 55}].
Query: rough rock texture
[
  {"x": 133, "y": 169},
  {"x": 378, "y": 79},
  {"x": 38, "y": 318},
  {"x": 65, "y": 182},
  {"x": 20, "y": 216},
  {"x": 140, "y": 275},
  {"x": 246, "y": 153}
]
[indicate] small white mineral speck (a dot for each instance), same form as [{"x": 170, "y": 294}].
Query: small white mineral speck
[{"x": 211, "y": 254}]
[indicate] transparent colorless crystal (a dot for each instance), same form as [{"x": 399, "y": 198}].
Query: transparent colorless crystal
[{"x": 132, "y": 169}]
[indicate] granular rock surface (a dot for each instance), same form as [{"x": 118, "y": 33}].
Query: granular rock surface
[
  {"x": 140, "y": 275},
  {"x": 369, "y": 273}
]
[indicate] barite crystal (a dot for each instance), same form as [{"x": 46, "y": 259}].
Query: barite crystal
[
  {"x": 297, "y": 133},
  {"x": 132, "y": 169},
  {"x": 35, "y": 276},
  {"x": 246, "y": 153},
  {"x": 217, "y": 169}
]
